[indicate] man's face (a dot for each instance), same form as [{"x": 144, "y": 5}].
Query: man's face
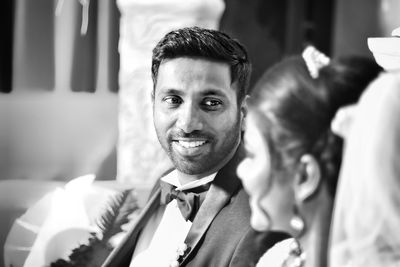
[{"x": 196, "y": 115}]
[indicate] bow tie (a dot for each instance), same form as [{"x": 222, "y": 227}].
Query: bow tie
[{"x": 189, "y": 201}]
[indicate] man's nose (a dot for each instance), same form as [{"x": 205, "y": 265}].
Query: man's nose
[{"x": 189, "y": 118}]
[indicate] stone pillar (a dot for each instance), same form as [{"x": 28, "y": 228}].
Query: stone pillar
[{"x": 143, "y": 23}]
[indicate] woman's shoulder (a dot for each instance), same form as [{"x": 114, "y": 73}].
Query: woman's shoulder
[{"x": 275, "y": 256}]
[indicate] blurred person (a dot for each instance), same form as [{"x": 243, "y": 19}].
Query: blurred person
[
  {"x": 293, "y": 157},
  {"x": 199, "y": 214},
  {"x": 366, "y": 214}
]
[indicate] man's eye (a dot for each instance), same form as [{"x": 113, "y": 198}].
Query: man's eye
[
  {"x": 212, "y": 104},
  {"x": 172, "y": 100}
]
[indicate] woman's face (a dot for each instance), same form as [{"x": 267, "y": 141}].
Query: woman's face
[{"x": 270, "y": 201}]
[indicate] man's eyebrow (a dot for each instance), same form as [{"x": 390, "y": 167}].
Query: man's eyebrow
[
  {"x": 170, "y": 91},
  {"x": 214, "y": 92}
]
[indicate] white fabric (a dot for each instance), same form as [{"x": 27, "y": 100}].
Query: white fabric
[
  {"x": 67, "y": 224},
  {"x": 169, "y": 235},
  {"x": 276, "y": 255},
  {"x": 172, "y": 178},
  {"x": 366, "y": 218},
  {"x": 172, "y": 230}
]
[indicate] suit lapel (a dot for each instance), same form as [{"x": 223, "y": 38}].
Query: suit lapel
[{"x": 221, "y": 190}]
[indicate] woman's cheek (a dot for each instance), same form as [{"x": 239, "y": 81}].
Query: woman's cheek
[
  {"x": 259, "y": 219},
  {"x": 244, "y": 172}
]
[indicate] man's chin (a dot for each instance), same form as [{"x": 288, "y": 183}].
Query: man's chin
[
  {"x": 204, "y": 163},
  {"x": 192, "y": 166},
  {"x": 191, "y": 169}
]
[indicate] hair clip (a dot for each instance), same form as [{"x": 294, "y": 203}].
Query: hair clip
[{"x": 315, "y": 60}]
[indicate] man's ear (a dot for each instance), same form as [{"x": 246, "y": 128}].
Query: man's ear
[
  {"x": 243, "y": 112},
  {"x": 308, "y": 180}
]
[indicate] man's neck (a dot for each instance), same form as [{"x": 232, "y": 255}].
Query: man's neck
[{"x": 185, "y": 178}]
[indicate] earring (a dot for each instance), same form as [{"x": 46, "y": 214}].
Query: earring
[{"x": 297, "y": 222}]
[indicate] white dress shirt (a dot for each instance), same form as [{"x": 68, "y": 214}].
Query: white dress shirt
[{"x": 169, "y": 234}]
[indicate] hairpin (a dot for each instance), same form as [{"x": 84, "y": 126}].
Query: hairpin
[{"x": 315, "y": 60}]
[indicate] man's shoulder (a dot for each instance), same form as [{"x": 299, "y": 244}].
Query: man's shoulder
[{"x": 237, "y": 211}]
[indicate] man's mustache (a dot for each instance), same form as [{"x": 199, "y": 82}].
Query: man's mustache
[{"x": 195, "y": 135}]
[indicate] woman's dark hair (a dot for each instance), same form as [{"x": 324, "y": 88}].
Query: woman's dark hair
[
  {"x": 207, "y": 44},
  {"x": 295, "y": 111}
]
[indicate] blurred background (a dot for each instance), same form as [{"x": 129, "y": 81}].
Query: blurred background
[{"x": 75, "y": 78}]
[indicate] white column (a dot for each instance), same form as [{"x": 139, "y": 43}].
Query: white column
[{"x": 143, "y": 23}]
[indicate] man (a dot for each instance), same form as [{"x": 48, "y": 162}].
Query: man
[{"x": 199, "y": 104}]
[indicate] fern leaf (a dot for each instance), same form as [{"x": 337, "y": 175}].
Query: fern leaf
[
  {"x": 116, "y": 214},
  {"x": 110, "y": 222}
]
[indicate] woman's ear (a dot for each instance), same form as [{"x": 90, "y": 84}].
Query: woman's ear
[
  {"x": 243, "y": 112},
  {"x": 308, "y": 179}
]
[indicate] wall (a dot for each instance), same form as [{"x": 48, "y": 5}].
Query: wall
[
  {"x": 54, "y": 133},
  {"x": 49, "y": 135},
  {"x": 355, "y": 21}
]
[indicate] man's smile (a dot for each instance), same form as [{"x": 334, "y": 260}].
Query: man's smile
[
  {"x": 188, "y": 147},
  {"x": 191, "y": 144}
]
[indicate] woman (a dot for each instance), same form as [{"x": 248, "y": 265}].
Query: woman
[
  {"x": 366, "y": 218},
  {"x": 293, "y": 157}
]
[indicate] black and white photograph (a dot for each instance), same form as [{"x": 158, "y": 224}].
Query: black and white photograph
[{"x": 200, "y": 133}]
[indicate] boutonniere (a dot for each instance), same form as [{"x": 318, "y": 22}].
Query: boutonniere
[
  {"x": 115, "y": 215},
  {"x": 181, "y": 252}
]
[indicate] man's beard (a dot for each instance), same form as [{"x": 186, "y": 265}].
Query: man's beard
[{"x": 209, "y": 162}]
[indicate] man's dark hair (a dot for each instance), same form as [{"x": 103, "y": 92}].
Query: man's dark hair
[{"x": 206, "y": 44}]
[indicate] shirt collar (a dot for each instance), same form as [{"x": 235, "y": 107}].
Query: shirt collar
[{"x": 172, "y": 178}]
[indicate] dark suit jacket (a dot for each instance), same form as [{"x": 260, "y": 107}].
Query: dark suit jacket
[{"x": 220, "y": 234}]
